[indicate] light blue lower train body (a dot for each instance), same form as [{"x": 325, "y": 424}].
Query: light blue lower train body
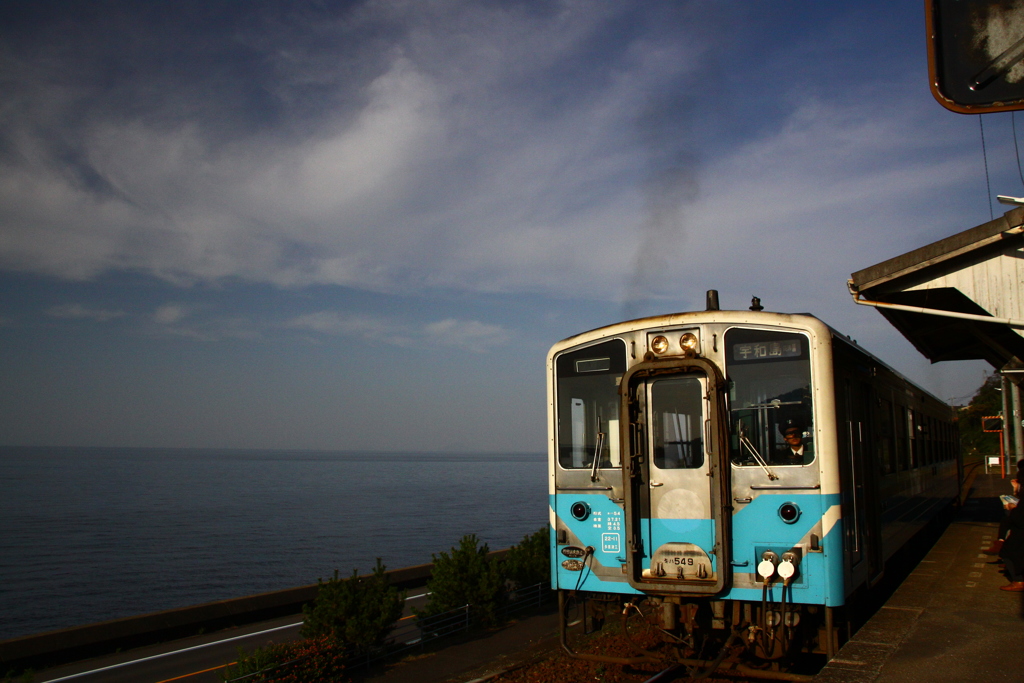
[{"x": 816, "y": 536}]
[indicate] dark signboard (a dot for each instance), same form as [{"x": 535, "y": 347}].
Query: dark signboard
[
  {"x": 992, "y": 423},
  {"x": 976, "y": 54}
]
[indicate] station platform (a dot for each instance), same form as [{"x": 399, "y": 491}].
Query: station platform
[{"x": 948, "y": 621}]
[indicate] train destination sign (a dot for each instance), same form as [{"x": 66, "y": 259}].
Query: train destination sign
[{"x": 789, "y": 348}]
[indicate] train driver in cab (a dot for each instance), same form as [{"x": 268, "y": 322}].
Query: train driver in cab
[{"x": 793, "y": 450}]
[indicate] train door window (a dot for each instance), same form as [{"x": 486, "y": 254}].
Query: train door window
[
  {"x": 929, "y": 440},
  {"x": 912, "y": 422},
  {"x": 886, "y": 456},
  {"x": 902, "y": 458},
  {"x": 587, "y": 399},
  {"x": 911, "y": 437},
  {"x": 947, "y": 445},
  {"x": 943, "y": 439},
  {"x": 940, "y": 440},
  {"x": 769, "y": 393},
  {"x": 677, "y": 423},
  {"x": 924, "y": 430}
]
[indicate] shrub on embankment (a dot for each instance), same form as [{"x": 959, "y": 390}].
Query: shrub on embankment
[
  {"x": 349, "y": 618},
  {"x": 313, "y": 660},
  {"x": 358, "y": 614},
  {"x": 352, "y": 617},
  {"x": 467, "y": 578},
  {"x": 529, "y": 562}
]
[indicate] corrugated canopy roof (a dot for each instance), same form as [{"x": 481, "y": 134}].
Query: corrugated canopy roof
[{"x": 978, "y": 273}]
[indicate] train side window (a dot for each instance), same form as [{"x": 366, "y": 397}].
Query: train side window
[{"x": 769, "y": 376}]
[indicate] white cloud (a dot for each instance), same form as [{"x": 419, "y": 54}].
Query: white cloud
[
  {"x": 196, "y": 322},
  {"x": 371, "y": 328},
  {"x": 492, "y": 148},
  {"x": 464, "y": 143},
  {"x": 80, "y": 312},
  {"x": 169, "y": 314},
  {"x": 471, "y": 335}
]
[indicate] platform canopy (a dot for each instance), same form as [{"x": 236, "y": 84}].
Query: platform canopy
[{"x": 961, "y": 298}]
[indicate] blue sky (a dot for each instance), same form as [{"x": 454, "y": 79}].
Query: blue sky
[{"x": 361, "y": 225}]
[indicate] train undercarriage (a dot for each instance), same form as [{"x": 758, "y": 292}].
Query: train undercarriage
[{"x": 767, "y": 640}]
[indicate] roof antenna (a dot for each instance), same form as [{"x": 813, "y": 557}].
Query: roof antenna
[
  {"x": 712, "y": 300},
  {"x": 755, "y": 304}
]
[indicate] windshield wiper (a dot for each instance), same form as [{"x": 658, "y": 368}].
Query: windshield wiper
[{"x": 757, "y": 456}]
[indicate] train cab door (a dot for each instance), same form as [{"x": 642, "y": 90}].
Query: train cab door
[{"x": 673, "y": 477}]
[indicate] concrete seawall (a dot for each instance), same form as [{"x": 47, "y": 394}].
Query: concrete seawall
[{"x": 80, "y": 642}]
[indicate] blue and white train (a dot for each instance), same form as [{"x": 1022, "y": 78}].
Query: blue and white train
[{"x": 735, "y": 476}]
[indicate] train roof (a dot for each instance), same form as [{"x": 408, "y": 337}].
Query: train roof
[
  {"x": 735, "y": 317},
  {"x": 738, "y": 317}
]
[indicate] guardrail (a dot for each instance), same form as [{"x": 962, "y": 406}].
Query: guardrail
[{"x": 417, "y": 633}]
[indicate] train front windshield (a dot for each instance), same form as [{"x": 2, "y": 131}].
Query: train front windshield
[
  {"x": 769, "y": 377},
  {"x": 588, "y": 405}
]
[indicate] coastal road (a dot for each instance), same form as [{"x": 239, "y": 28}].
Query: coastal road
[{"x": 198, "y": 659}]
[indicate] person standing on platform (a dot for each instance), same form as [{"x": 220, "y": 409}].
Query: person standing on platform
[
  {"x": 1012, "y": 551},
  {"x": 1018, "y": 483}
]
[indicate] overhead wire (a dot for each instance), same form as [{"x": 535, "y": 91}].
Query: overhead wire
[
  {"x": 1013, "y": 123},
  {"x": 984, "y": 154}
]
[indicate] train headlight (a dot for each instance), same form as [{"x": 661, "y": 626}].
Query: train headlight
[
  {"x": 659, "y": 344},
  {"x": 689, "y": 342},
  {"x": 789, "y": 512},
  {"x": 580, "y": 511}
]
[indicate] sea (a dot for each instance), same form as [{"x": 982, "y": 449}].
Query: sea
[{"x": 91, "y": 534}]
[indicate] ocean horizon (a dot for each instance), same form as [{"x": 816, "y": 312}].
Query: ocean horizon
[{"x": 93, "y": 533}]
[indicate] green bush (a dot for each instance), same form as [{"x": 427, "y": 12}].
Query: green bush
[
  {"x": 257, "y": 663},
  {"x": 529, "y": 563},
  {"x": 357, "y": 613},
  {"x": 27, "y": 676},
  {"x": 314, "y": 660},
  {"x": 466, "y": 577}
]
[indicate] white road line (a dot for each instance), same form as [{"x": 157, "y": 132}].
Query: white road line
[
  {"x": 168, "y": 654},
  {"x": 187, "y": 649}
]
